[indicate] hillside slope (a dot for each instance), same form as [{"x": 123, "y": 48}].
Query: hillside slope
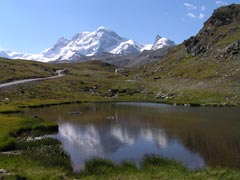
[
  {"x": 205, "y": 68},
  {"x": 19, "y": 69}
]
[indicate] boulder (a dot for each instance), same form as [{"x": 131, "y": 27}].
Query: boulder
[{"x": 3, "y": 171}]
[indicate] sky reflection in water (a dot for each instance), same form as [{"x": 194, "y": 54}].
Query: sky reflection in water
[{"x": 195, "y": 136}]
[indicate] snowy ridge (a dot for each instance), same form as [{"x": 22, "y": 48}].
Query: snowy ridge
[
  {"x": 161, "y": 42},
  {"x": 93, "y": 43}
]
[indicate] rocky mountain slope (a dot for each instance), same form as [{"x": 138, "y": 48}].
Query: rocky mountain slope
[
  {"x": 88, "y": 44},
  {"x": 206, "y": 67}
]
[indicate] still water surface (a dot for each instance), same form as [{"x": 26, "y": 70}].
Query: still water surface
[{"x": 196, "y": 136}]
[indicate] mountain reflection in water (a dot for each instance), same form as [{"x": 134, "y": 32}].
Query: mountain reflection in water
[
  {"x": 119, "y": 143},
  {"x": 195, "y": 136}
]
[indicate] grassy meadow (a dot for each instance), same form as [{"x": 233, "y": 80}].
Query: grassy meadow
[
  {"x": 84, "y": 82},
  {"x": 97, "y": 81}
]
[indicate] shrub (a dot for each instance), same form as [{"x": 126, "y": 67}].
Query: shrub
[
  {"x": 128, "y": 165},
  {"x": 155, "y": 160},
  {"x": 7, "y": 143},
  {"x": 98, "y": 166}
]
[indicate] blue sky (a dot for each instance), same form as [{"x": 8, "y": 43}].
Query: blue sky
[{"x": 34, "y": 25}]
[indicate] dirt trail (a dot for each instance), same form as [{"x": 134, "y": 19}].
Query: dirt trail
[{"x": 58, "y": 72}]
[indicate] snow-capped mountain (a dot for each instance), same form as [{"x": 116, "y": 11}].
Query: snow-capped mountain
[
  {"x": 93, "y": 43},
  {"x": 161, "y": 42}
]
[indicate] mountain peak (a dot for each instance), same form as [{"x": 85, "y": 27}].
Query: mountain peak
[
  {"x": 103, "y": 29},
  {"x": 157, "y": 38},
  {"x": 161, "y": 42}
]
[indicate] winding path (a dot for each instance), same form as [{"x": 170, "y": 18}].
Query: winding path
[{"x": 58, "y": 72}]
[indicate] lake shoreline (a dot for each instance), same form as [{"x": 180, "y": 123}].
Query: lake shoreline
[
  {"x": 104, "y": 170},
  {"x": 17, "y": 109}
]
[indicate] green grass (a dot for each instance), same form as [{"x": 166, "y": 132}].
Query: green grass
[
  {"x": 38, "y": 159},
  {"x": 151, "y": 167},
  {"x": 88, "y": 81},
  {"x": 98, "y": 166},
  {"x": 11, "y": 127},
  {"x": 155, "y": 161},
  {"x": 37, "y": 166},
  {"x": 42, "y": 159},
  {"x": 33, "y": 158},
  {"x": 5, "y": 108},
  {"x": 22, "y": 69},
  {"x": 97, "y": 82},
  {"x": 8, "y": 125}
]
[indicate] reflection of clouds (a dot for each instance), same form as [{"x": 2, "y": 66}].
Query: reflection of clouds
[
  {"x": 122, "y": 134},
  {"x": 86, "y": 138},
  {"x": 156, "y": 135},
  {"x": 120, "y": 141},
  {"x": 127, "y": 137}
]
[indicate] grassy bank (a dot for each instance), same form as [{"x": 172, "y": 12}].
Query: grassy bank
[
  {"x": 11, "y": 127},
  {"x": 37, "y": 166},
  {"x": 36, "y": 159},
  {"x": 151, "y": 167},
  {"x": 26, "y": 156}
]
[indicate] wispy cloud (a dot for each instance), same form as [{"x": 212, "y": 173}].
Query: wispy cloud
[
  {"x": 222, "y": 3},
  {"x": 190, "y": 6},
  {"x": 195, "y": 12},
  {"x": 203, "y": 8},
  {"x": 201, "y": 16},
  {"x": 192, "y": 15}
]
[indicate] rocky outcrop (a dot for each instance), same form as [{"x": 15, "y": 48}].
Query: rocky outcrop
[
  {"x": 193, "y": 46},
  {"x": 223, "y": 16},
  {"x": 210, "y": 34},
  {"x": 234, "y": 48}
]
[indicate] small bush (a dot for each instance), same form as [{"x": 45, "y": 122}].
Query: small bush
[
  {"x": 128, "y": 165},
  {"x": 155, "y": 160},
  {"x": 98, "y": 166},
  {"x": 7, "y": 143}
]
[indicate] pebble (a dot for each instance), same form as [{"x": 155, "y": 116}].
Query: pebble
[
  {"x": 110, "y": 118},
  {"x": 3, "y": 171}
]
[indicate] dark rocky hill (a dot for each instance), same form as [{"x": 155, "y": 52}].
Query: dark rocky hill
[
  {"x": 206, "y": 67},
  {"x": 220, "y": 36}
]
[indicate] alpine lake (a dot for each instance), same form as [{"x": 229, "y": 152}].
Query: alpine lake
[{"x": 197, "y": 137}]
